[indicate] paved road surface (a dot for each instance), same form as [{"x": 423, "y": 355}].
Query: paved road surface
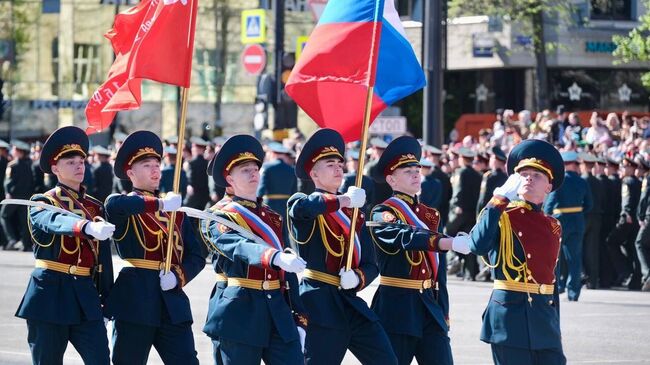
[{"x": 605, "y": 327}]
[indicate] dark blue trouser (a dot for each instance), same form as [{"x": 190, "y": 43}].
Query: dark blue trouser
[
  {"x": 48, "y": 342},
  {"x": 572, "y": 241},
  {"x": 505, "y": 355},
  {"x": 277, "y": 353},
  {"x": 174, "y": 343},
  {"x": 432, "y": 348},
  {"x": 367, "y": 340}
]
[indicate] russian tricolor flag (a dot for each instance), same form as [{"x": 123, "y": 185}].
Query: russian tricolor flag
[{"x": 355, "y": 45}]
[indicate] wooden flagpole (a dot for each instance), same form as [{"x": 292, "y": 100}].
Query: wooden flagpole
[
  {"x": 177, "y": 177},
  {"x": 364, "y": 133}
]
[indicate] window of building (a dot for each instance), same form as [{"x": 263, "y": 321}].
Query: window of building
[
  {"x": 86, "y": 66},
  {"x": 410, "y": 9},
  {"x": 611, "y": 9},
  {"x": 205, "y": 68}
]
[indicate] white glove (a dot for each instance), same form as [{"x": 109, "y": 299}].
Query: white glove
[
  {"x": 100, "y": 230},
  {"x": 168, "y": 281},
  {"x": 349, "y": 279},
  {"x": 510, "y": 188},
  {"x": 460, "y": 243},
  {"x": 171, "y": 202},
  {"x": 302, "y": 334},
  {"x": 106, "y": 320},
  {"x": 357, "y": 197},
  {"x": 289, "y": 262}
]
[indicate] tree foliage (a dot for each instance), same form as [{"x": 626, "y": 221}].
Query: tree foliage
[{"x": 635, "y": 46}]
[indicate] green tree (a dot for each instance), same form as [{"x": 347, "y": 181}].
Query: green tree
[
  {"x": 529, "y": 15},
  {"x": 635, "y": 46}
]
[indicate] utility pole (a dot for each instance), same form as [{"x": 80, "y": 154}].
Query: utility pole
[
  {"x": 278, "y": 10},
  {"x": 432, "y": 115}
]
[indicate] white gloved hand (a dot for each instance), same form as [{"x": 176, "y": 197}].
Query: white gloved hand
[
  {"x": 171, "y": 202},
  {"x": 357, "y": 197},
  {"x": 349, "y": 279},
  {"x": 510, "y": 188},
  {"x": 100, "y": 230},
  {"x": 168, "y": 281},
  {"x": 303, "y": 335},
  {"x": 106, "y": 320},
  {"x": 289, "y": 262},
  {"x": 460, "y": 243}
]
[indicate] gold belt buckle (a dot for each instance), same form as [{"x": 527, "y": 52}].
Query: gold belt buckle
[
  {"x": 426, "y": 284},
  {"x": 72, "y": 269},
  {"x": 266, "y": 285},
  {"x": 542, "y": 288}
]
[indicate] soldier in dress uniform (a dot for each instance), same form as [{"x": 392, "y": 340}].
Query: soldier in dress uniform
[
  {"x": 493, "y": 178},
  {"x": 522, "y": 321},
  {"x": 466, "y": 185},
  {"x": 480, "y": 163},
  {"x": 569, "y": 204},
  {"x": 611, "y": 214},
  {"x": 434, "y": 154},
  {"x": 198, "y": 193},
  {"x": 19, "y": 184},
  {"x": 411, "y": 264},
  {"x": 102, "y": 173},
  {"x": 148, "y": 304},
  {"x": 277, "y": 181},
  {"x": 350, "y": 177},
  {"x": 167, "y": 173},
  {"x": 627, "y": 265},
  {"x": 74, "y": 272},
  {"x": 270, "y": 323},
  {"x": 593, "y": 222},
  {"x": 642, "y": 242},
  {"x": 320, "y": 223}
]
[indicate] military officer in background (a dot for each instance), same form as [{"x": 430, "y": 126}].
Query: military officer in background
[
  {"x": 569, "y": 204},
  {"x": 411, "y": 257},
  {"x": 642, "y": 242},
  {"x": 522, "y": 321},
  {"x": 37, "y": 173},
  {"x": 277, "y": 181},
  {"x": 593, "y": 222},
  {"x": 148, "y": 303},
  {"x": 350, "y": 178},
  {"x": 624, "y": 234},
  {"x": 74, "y": 272},
  {"x": 430, "y": 187},
  {"x": 493, "y": 178},
  {"x": 19, "y": 184},
  {"x": 121, "y": 186},
  {"x": 4, "y": 161},
  {"x": 320, "y": 223},
  {"x": 198, "y": 193},
  {"x": 102, "y": 173},
  {"x": 466, "y": 183},
  {"x": 381, "y": 190},
  {"x": 611, "y": 214},
  {"x": 167, "y": 173},
  {"x": 267, "y": 326},
  {"x": 434, "y": 154}
]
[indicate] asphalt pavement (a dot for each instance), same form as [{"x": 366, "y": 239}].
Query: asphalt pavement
[{"x": 604, "y": 327}]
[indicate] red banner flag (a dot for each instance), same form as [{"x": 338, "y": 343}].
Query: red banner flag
[{"x": 153, "y": 40}]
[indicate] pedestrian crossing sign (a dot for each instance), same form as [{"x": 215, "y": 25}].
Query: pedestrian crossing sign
[{"x": 253, "y": 26}]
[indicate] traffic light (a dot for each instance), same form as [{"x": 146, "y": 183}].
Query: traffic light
[
  {"x": 265, "y": 95},
  {"x": 286, "y": 109}
]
